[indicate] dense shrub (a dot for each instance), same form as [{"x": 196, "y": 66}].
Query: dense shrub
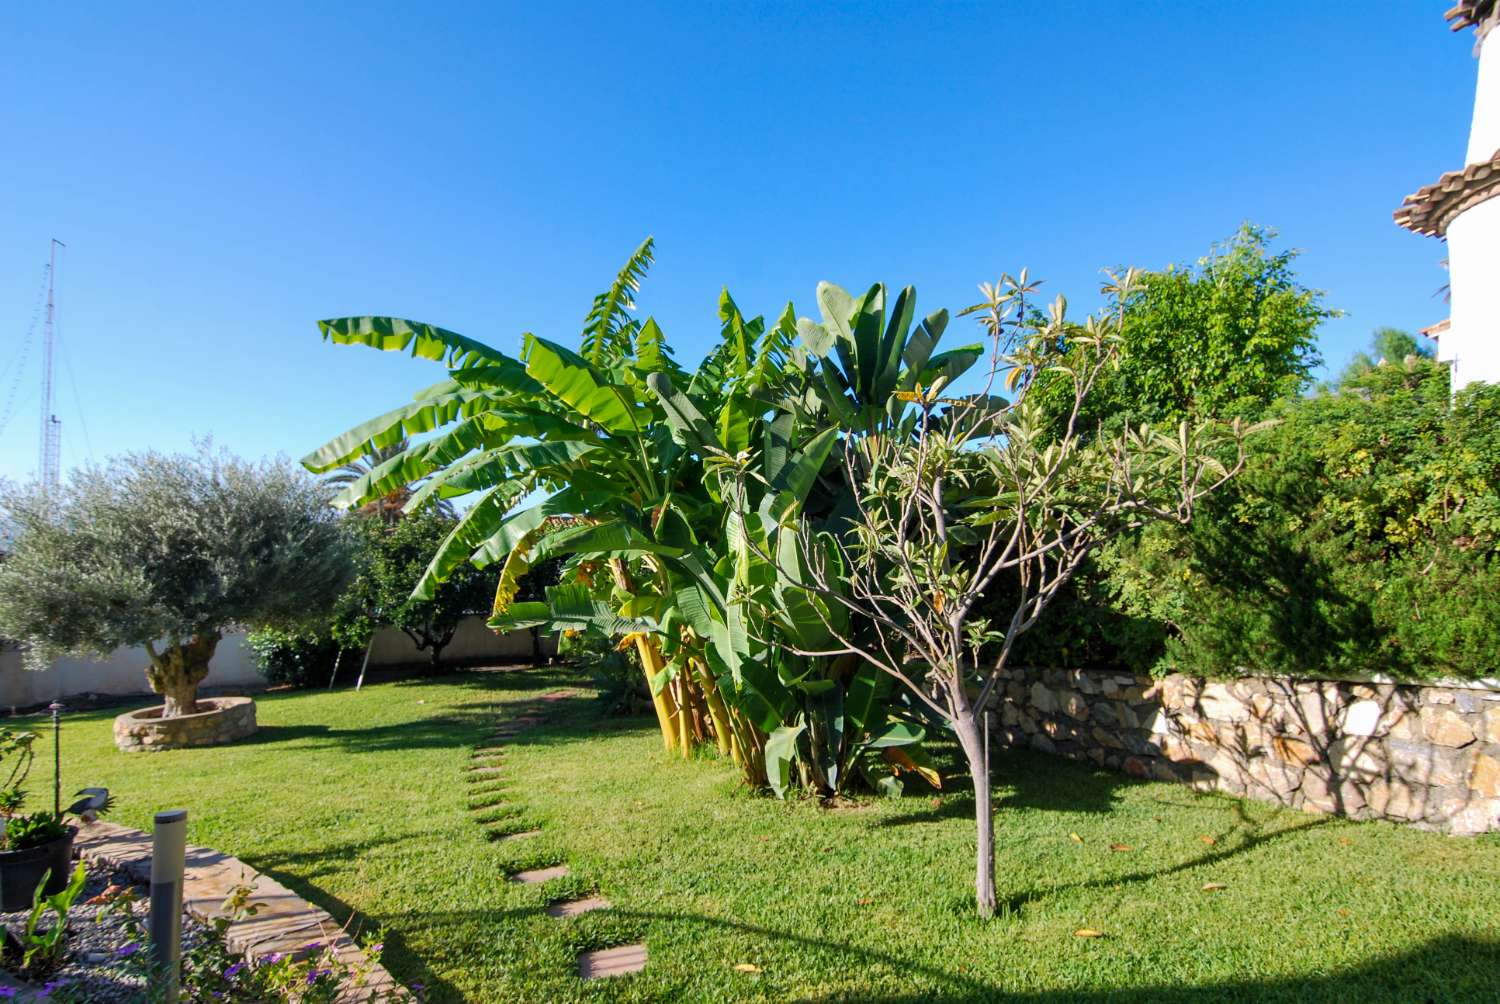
[
  {"x": 1363, "y": 537},
  {"x": 301, "y": 658}
]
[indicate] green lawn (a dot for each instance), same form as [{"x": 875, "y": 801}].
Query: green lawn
[{"x": 360, "y": 801}]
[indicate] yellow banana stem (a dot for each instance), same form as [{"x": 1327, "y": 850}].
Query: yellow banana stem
[
  {"x": 723, "y": 732},
  {"x": 684, "y": 717},
  {"x": 666, "y": 715}
]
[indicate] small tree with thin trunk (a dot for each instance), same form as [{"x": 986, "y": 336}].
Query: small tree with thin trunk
[
  {"x": 167, "y": 552},
  {"x": 987, "y": 495},
  {"x": 393, "y": 556}
]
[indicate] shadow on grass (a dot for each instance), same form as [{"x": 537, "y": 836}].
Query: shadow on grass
[{"x": 1449, "y": 970}]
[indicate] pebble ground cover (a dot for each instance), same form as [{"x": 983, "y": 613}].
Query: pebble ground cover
[{"x": 364, "y": 802}]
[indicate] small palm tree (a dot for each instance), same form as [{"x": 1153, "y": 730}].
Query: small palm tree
[{"x": 390, "y": 505}]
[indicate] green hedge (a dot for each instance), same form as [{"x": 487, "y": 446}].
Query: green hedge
[{"x": 1361, "y": 538}]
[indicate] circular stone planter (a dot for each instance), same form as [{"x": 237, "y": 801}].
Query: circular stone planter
[{"x": 221, "y": 720}]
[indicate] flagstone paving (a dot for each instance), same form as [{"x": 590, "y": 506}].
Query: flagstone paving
[{"x": 284, "y": 922}]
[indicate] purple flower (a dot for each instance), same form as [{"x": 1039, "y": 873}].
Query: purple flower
[
  {"x": 233, "y": 970},
  {"x": 273, "y": 958},
  {"x": 316, "y": 975},
  {"x": 125, "y": 951},
  {"x": 313, "y": 946},
  {"x": 7, "y": 992}
]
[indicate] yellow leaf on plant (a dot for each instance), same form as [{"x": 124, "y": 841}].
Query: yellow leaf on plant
[
  {"x": 1087, "y": 932},
  {"x": 747, "y": 967},
  {"x": 900, "y": 760}
]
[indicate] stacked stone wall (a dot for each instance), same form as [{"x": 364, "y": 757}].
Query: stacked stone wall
[{"x": 1426, "y": 755}]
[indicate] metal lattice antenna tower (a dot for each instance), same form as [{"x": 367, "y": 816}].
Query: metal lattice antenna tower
[{"x": 49, "y": 466}]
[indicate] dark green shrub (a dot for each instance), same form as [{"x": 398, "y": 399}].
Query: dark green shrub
[
  {"x": 1363, "y": 537},
  {"x": 299, "y": 658}
]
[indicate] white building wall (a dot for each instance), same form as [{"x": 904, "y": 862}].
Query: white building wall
[
  {"x": 123, "y": 674},
  {"x": 1472, "y": 340},
  {"x": 1484, "y": 133}
]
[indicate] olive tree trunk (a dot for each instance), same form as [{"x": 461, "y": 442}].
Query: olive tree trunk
[{"x": 176, "y": 671}]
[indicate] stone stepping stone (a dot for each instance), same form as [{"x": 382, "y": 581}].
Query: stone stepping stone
[
  {"x": 478, "y": 775},
  {"x": 538, "y": 875},
  {"x": 574, "y": 907},
  {"x": 612, "y": 962},
  {"x": 520, "y": 836}
]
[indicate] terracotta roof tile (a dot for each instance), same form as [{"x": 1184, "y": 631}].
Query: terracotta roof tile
[
  {"x": 1468, "y": 13},
  {"x": 1431, "y": 208}
]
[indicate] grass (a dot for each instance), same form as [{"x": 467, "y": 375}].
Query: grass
[{"x": 361, "y": 802}]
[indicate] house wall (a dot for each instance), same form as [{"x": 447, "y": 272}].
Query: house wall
[
  {"x": 123, "y": 674},
  {"x": 233, "y": 666},
  {"x": 1473, "y": 340},
  {"x": 1427, "y": 755},
  {"x": 472, "y": 642}
]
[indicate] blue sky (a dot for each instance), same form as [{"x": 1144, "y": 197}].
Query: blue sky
[{"x": 224, "y": 175}]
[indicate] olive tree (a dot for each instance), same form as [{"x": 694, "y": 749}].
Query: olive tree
[
  {"x": 167, "y": 552},
  {"x": 990, "y": 495}
]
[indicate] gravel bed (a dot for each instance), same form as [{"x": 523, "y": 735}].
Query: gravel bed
[{"x": 92, "y": 967}]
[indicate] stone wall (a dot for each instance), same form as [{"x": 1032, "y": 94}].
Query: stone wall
[
  {"x": 220, "y": 720},
  {"x": 1428, "y": 755}
]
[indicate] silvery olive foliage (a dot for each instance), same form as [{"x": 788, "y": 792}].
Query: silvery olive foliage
[{"x": 153, "y": 547}]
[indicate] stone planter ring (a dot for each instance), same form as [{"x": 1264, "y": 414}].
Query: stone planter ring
[{"x": 220, "y": 720}]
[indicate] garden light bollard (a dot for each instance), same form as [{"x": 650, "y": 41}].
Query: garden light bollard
[
  {"x": 56, "y": 707},
  {"x": 168, "y": 847}
]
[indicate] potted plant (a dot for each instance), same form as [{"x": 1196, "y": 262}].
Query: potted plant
[
  {"x": 31, "y": 844},
  {"x": 36, "y": 845}
]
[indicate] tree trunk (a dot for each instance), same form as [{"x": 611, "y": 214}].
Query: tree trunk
[
  {"x": 176, "y": 672},
  {"x": 972, "y": 741}
]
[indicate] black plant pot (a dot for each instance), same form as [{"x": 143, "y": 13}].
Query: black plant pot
[{"x": 21, "y": 871}]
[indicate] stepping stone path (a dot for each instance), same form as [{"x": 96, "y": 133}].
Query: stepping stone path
[
  {"x": 536, "y": 876},
  {"x": 485, "y": 766},
  {"x": 574, "y": 907},
  {"x": 612, "y": 962}
]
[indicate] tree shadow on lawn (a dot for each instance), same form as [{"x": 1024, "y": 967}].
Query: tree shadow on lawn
[
  {"x": 1055, "y": 784},
  {"x": 1447, "y": 970}
]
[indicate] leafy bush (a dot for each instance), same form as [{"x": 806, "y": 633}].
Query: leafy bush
[
  {"x": 1363, "y": 537},
  {"x": 300, "y": 658}
]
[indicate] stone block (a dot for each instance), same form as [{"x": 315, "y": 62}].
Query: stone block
[
  {"x": 1076, "y": 706},
  {"x": 1424, "y": 764},
  {"x": 1043, "y": 701},
  {"x": 1362, "y": 718},
  {"x": 1137, "y": 767},
  {"x": 1490, "y": 727},
  {"x": 1358, "y": 757},
  {"x": 1294, "y": 751},
  {"x": 1435, "y": 695},
  {"x": 1445, "y": 727},
  {"x": 1395, "y": 799},
  {"x": 1484, "y": 776},
  {"x": 1275, "y": 778}
]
